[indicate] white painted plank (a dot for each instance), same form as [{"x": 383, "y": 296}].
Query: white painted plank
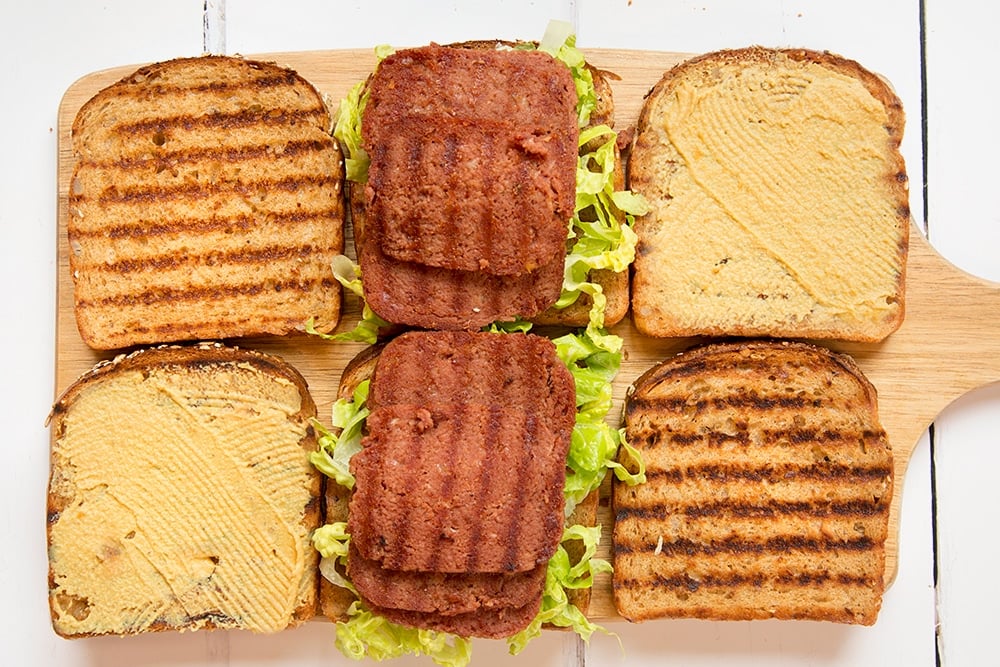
[
  {"x": 46, "y": 46},
  {"x": 964, "y": 223}
]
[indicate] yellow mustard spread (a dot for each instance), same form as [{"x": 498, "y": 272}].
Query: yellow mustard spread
[
  {"x": 793, "y": 163},
  {"x": 186, "y": 504}
]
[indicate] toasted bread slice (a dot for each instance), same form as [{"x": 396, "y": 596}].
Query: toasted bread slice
[
  {"x": 206, "y": 203},
  {"x": 768, "y": 486},
  {"x": 779, "y": 199},
  {"x": 181, "y": 495}
]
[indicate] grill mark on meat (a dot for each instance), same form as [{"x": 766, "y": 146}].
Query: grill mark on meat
[
  {"x": 223, "y": 120},
  {"x": 737, "y": 545},
  {"x": 485, "y": 477},
  {"x": 858, "y": 508},
  {"x": 204, "y": 225},
  {"x": 409, "y": 522},
  {"x": 449, "y": 235},
  {"x": 453, "y": 438},
  {"x": 756, "y": 578},
  {"x": 237, "y": 257},
  {"x": 488, "y": 176},
  {"x": 524, "y": 235},
  {"x": 148, "y": 194},
  {"x": 193, "y": 294},
  {"x": 523, "y": 451},
  {"x": 770, "y": 473}
]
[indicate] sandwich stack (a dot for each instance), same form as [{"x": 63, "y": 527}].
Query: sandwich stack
[
  {"x": 470, "y": 187},
  {"x": 458, "y": 502}
]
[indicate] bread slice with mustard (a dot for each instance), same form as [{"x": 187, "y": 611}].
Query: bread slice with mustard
[
  {"x": 181, "y": 495},
  {"x": 206, "y": 203},
  {"x": 778, "y": 197},
  {"x": 768, "y": 484}
]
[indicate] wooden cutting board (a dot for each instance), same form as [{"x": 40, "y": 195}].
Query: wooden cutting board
[{"x": 948, "y": 344}]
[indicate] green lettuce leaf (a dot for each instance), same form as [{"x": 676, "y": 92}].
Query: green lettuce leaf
[
  {"x": 333, "y": 458},
  {"x": 347, "y": 129},
  {"x": 367, "y": 635},
  {"x": 560, "y": 577},
  {"x": 594, "y": 444},
  {"x": 348, "y": 274}
]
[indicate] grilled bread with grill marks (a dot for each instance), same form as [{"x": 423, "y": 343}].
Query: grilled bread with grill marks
[
  {"x": 768, "y": 487},
  {"x": 779, "y": 199},
  {"x": 467, "y": 603},
  {"x": 206, "y": 203},
  {"x": 181, "y": 495}
]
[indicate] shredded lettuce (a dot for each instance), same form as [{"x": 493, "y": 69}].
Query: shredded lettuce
[
  {"x": 594, "y": 444},
  {"x": 348, "y": 274},
  {"x": 333, "y": 457},
  {"x": 347, "y": 129},
  {"x": 602, "y": 225},
  {"x": 560, "y": 577},
  {"x": 573, "y": 58}
]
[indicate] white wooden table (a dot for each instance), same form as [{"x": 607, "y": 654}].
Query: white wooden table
[{"x": 938, "y": 55}]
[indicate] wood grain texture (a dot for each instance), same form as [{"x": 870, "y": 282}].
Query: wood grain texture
[{"x": 949, "y": 342}]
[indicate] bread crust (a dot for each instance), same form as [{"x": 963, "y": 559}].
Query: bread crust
[
  {"x": 652, "y": 165},
  {"x": 193, "y": 358}
]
